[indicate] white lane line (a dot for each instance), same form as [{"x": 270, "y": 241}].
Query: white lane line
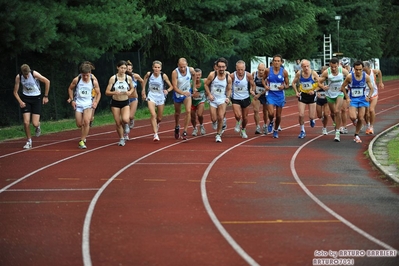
[
  {"x": 325, "y": 207},
  {"x": 52, "y": 164},
  {"x": 50, "y": 189},
  {"x": 89, "y": 214},
  {"x": 213, "y": 216}
]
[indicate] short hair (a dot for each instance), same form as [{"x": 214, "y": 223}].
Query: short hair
[
  {"x": 87, "y": 63},
  {"x": 157, "y": 62},
  {"x": 334, "y": 60},
  {"x": 85, "y": 68},
  {"x": 367, "y": 64},
  {"x": 358, "y": 63},
  {"x": 278, "y": 55},
  {"x": 121, "y": 63},
  {"x": 221, "y": 59},
  {"x": 240, "y": 62},
  {"x": 197, "y": 70},
  {"x": 128, "y": 63},
  {"x": 25, "y": 69}
]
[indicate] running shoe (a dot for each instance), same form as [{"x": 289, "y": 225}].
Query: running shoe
[
  {"x": 215, "y": 125},
  {"x": 244, "y": 133},
  {"x": 265, "y": 129},
  {"x": 218, "y": 138},
  {"x": 38, "y": 131},
  {"x": 357, "y": 139},
  {"x": 257, "y": 131},
  {"x": 237, "y": 127},
  {"x": 270, "y": 127},
  {"x": 354, "y": 122},
  {"x": 177, "y": 132},
  {"x": 341, "y": 130},
  {"x": 279, "y": 128},
  {"x": 126, "y": 129},
  {"x": 184, "y": 136},
  {"x": 156, "y": 138},
  {"x": 202, "y": 129},
  {"x": 312, "y": 123},
  {"x": 224, "y": 123},
  {"x": 131, "y": 124},
  {"x": 82, "y": 145},
  {"x": 121, "y": 142},
  {"x": 275, "y": 134},
  {"x": 371, "y": 131},
  {"x": 126, "y": 136},
  {"x": 302, "y": 135},
  {"x": 324, "y": 131},
  {"x": 195, "y": 132},
  {"x": 335, "y": 126},
  {"x": 28, "y": 145},
  {"x": 345, "y": 130},
  {"x": 337, "y": 136}
]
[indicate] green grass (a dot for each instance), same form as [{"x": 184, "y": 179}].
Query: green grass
[
  {"x": 102, "y": 118},
  {"x": 393, "y": 151}
]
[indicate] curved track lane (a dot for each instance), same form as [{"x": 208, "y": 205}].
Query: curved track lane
[{"x": 196, "y": 202}]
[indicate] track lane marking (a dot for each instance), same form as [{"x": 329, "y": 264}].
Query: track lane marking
[
  {"x": 281, "y": 222},
  {"x": 325, "y": 207}
]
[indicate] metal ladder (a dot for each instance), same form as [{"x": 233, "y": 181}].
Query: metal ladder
[{"x": 327, "y": 49}]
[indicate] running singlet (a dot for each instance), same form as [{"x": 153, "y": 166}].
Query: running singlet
[
  {"x": 306, "y": 84},
  {"x": 183, "y": 82},
  {"x": 275, "y": 81},
  {"x": 121, "y": 86},
  {"x": 155, "y": 84},
  {"x": 357, "y": 87},
  {"x": 30, "y": 86},
  {"x": 372, "y": 79},
  {"x": 218, "y": 87},
  {"x": 240, "y": 87},
  {"x": 334, "y": 83},
  {"x": 83, "y": 93},
  {"x": 201, "y": 97},
  {"x": 259, "y": 85}
]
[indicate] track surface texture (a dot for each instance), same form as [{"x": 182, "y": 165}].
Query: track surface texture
[{"x": 255, "y": 201}]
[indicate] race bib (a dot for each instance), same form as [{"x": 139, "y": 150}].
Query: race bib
[
  {"x": 357, "y": 92},
  {"x": 259, "y": 89},
  {"x": 85, "y": 92},
  {"x": 274, "y": 86}
]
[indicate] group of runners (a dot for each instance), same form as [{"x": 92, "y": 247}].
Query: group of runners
[{"x": 329, "y": 94}]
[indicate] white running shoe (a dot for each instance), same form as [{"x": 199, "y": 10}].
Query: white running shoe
[
  {"x": 265, "y": 129},
  {"x": 126, "y": 129},
  {"x": 195, "y": 132},
  {"x": 337, "y": 136},
  {"x": 243, "y": 134},
  {"x": 131, "y": 125},
  {"x": 237, "y": 127},
  {"x": 215, "y": 125},
  {"x": 121, "y": 142},
  {"x": 257, "y": 130},
  {"x": 218, "y": 138},
  {"x": 156, "y": 138},
  {"x": 324, "y": 131},
  {"x": 202, "y": 129},
  {"x": 38, "y": 131},
  {"x": 28, "y": 145},
  {"x": 126, "y": 136}
]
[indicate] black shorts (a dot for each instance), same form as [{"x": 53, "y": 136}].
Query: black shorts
[
  {"x": 243, "y": 103},
  {"x": 263, "y": 99},
  {"x": 119, "y": 104},
  {"x": 321, "y": 101},
  {"x": 307, "y": 98},
  {"x": 33, "y": 104}
]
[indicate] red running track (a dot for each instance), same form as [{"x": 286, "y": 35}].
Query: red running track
[{"x": 256, "y": 201}]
